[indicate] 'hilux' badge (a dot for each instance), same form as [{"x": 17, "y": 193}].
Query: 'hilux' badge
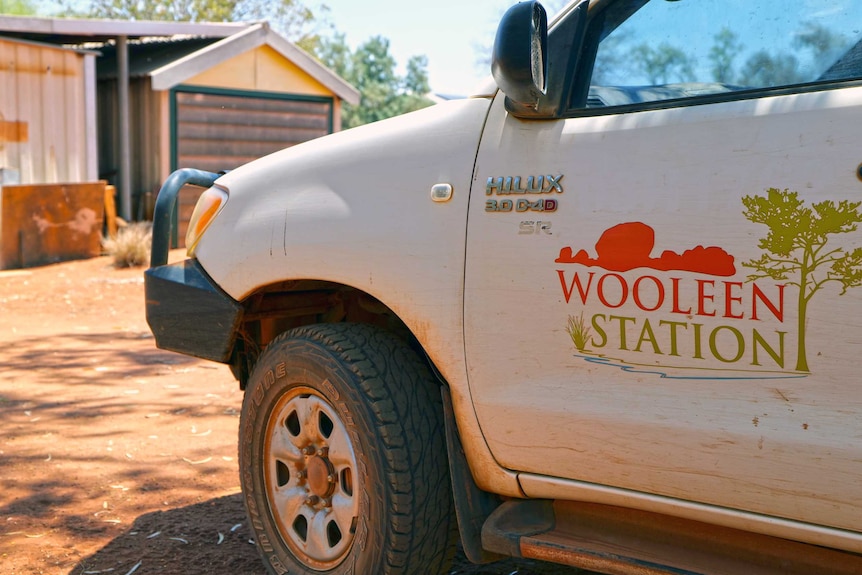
[{"x": 504, "y": 186}]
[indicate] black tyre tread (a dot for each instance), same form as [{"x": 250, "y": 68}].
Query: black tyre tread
[{"x": 405, "y": 401}]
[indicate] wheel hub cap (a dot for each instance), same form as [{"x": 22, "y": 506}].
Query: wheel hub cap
[
  {"x": 321, "y": 476},
  {"x": 310, "y": 472}
]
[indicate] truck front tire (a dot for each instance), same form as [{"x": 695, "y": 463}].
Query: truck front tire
[{"x": 342, "y": 456}]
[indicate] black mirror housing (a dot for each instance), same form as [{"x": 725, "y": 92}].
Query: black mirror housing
[
  {"x": 536, "y": 68},
  {"x": 519, "y": 59}
]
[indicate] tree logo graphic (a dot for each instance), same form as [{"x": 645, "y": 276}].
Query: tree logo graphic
[{"x": 795, "y": 248}]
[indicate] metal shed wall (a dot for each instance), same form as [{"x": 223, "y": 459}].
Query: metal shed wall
[{"x": 47, "y": 113}]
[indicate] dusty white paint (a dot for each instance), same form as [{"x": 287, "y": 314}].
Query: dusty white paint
[
  {"x": 688, "y": 398},
  {"x": 291, "y": 215}
]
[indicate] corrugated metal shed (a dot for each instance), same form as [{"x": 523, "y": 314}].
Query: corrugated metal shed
[
  {"x": 174, "y": 94},
  {"x": 73, "y": 31},
  {"x": 47, "y": 113}
]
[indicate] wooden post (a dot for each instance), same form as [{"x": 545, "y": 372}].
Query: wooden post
[{"x": 111, "y": 211}]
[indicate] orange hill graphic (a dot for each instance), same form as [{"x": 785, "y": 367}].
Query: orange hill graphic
[{"x": 628, "y": 246}]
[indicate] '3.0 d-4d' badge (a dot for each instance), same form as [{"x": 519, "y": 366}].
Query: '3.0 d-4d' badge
[{"x": 516, "y": 185}]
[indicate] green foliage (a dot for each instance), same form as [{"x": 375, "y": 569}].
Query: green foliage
[
  {"x": 663, "y": 64},
  {"x": 612, "y": 64},
  {"x": 371, "y": 69},
  {"x": 18, "y": 8},
  {"x": 825, "y": 45},
  {"x": 290, "y": 17},
  {"x": 619, "y": 61},
  {"x": 763, "y": 69},
  {"x": 416, "y": 79},
  {"x": 726, "y": 47},
  {"x": 176, "y": 10},
  {"x": 795, "y": 247}
]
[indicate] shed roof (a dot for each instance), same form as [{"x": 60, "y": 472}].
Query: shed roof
[
  {"x": 150, "y": 54},
  {"x": 80, "y": 31},
  {"x": 47, "y": 46},
  {"x": 180, "y": 70}
]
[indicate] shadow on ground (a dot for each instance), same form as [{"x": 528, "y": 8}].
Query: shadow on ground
[
  {"x": 202, "y": 539},
  {"x": 213, "y": 538}
]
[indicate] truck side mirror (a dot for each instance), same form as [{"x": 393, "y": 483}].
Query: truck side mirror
[{"x": 518, "y": 61}]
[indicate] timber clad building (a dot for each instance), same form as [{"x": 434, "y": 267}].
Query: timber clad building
[{"x": 146, "y": 98}]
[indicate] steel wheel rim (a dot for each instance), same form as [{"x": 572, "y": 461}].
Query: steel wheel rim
[{"x": 310, "y": 478}]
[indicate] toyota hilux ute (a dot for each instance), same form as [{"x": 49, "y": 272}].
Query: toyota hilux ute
[{"x": 607, "y": 312}]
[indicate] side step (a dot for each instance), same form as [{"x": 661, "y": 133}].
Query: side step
[{"x": 620, "y": 541}]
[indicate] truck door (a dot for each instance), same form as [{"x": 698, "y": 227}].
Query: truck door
[{"x": 664, "y": 285}]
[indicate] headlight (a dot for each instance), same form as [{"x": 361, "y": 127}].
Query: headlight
[{"x": 209, "y": 204}]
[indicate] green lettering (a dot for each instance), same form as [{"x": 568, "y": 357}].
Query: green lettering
[
  {"x": 648, "y": 335},
  {"x": 623, "y": 321},
  {"x": 599, "y": 331},
  {"x": 778, "y": 358},
  {"x": 673, "y": 325},
  {"x": 740, "y": 344},
  {"x": 697, "y": 350}
]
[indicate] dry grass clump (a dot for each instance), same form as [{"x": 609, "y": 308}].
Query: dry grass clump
[{"x": 131, "y": 247}]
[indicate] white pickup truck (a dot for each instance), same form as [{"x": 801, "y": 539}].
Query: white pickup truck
[{"x": 606, "y": 312}]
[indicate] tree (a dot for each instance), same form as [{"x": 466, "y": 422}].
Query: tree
[
  {"x": 416, "y": 80},
  {"x": 18, "y": 7},
  {"x": 290, "y": 17},
  {"x": 611, "y": 63},
  {"x": 763, "y": 70},
  {"x": 825, "y": 45},
  {"x": 371, "y": 69},
  {"x": 335, "y": 54},
  {"x": 796, "y": 248},
  {"x": 726, "y": 47},
  {"x": 663, "y": 64},
  {"x": 176, "y": 10}
]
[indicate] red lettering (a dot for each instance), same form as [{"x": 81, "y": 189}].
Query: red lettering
[
  {"x": 757, "y": 294},
  {"x": 703, "y": 297},
  {"x": 576, "y": 282},
  {"x": 623, "y": 286},
  {"x": 650, "y": 294},
  {"x": 675, "y": 283},
  {"x": 729, "y": 299},
  {"x": 636, "y": 293}
]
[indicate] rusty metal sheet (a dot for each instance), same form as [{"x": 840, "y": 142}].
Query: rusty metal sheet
[{"x": 47, "y": 223}]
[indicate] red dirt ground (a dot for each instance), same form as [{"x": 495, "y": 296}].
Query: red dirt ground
[{"x": 117, "y": 457}]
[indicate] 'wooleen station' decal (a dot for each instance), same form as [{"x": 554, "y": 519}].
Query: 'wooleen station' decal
[{"x": 682, "y": 315}]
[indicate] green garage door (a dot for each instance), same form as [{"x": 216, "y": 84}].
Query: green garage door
[
  {"x": 222, "y": 130},
  {"x": 218, "y": 130}
]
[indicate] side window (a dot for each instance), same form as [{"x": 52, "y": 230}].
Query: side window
[{"x": 661, "y": 50}]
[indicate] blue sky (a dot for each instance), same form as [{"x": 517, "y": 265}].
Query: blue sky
[
  {"x": 456, "y": 34},
  {"x": 451, "y": 33}
]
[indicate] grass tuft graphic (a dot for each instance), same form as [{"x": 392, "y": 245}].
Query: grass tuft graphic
[{"x": 579, "y": 331}]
